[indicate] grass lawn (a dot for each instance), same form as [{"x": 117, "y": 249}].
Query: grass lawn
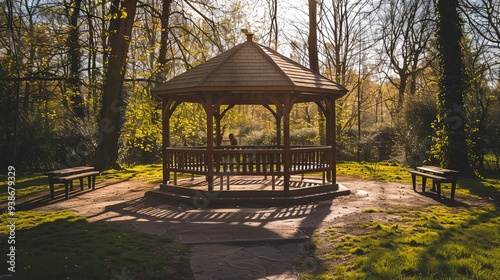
[
  {"x": 439, "y": 242},
  {"x": 62, "y": 245}
]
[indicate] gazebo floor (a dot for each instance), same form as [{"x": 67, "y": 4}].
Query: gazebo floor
[{"x": 247, "y": 191}]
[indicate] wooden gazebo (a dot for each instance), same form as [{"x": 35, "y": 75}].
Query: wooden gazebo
[{"x": 254, "y": 75}]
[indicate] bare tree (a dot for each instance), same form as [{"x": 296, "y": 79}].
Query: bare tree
[
  {"x": 484, "y": 17},
  {"x": 407, "y": 28},
  {"x": 273, "y": 13}
]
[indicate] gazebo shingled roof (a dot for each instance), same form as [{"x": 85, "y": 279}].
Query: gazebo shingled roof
[{"x": 249, "y": 67}]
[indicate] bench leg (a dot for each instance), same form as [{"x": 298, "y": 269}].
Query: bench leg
[
  {"x": 438, "y": 184},
  {"x": 51, "y": 185},
  {"x": 66, "y": 191},
  {"x": 81, "y": 184},
  {"x": 414, "y": 181},
  {"x": 424, "y": 180},
  {"x": 453, "y": 186},
  {"x": 52, "y": 191},
  {"x": 91, "y": 182}
]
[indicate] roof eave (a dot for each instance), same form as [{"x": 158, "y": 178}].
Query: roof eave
[{"x": 322, "y": 90}]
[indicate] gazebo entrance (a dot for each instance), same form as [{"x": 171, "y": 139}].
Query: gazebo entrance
[{"x": 255, "y": 75}]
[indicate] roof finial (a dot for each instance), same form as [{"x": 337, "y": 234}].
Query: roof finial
[{"x": 248, "y": 34}]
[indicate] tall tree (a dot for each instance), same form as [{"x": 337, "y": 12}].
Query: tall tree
[
  {"x": 113, "y": 105},
  {"x": 450, "y": 146},
  {"x": 73, "y": 9},
  {"x": 313, "y": 37},
  {"x": 162, "y": 55}
]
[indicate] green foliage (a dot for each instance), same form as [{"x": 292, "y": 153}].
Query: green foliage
[
  {"x": 188, "y": 125},
  {"x": 236, "y": 121},
  {"x": 142, "y": 129}
]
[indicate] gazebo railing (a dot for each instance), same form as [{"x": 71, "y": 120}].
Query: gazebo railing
[
  {"x": 187, "y": 160},
  {"x": 310, "y": 159},
  {"x": 248, "y": 160}
]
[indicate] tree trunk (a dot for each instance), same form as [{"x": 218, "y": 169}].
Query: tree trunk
[
  {"x": 313, "y": 37},
  {"x": 74, "y": 53},
  {"x": 113, "y": 106},
  {"x": 162, "y": 55},
  {"x": 450, "y": 145}
]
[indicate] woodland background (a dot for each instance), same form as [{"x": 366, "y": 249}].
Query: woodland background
[{"x": 74, "y": 74}]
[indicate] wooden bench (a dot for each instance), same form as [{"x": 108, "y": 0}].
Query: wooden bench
[
  {"x": 436, "y": 182},
  {"x": 68, "y": 181},
  {"x": 67, "y": 175}
]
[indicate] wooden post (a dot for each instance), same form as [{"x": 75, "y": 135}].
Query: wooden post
[
  {"x": 286, "y": 109},
  {"x": 333, "y": 142},
  {"x": 209, "y": 156},
  {"x": 166, "y": 113}
]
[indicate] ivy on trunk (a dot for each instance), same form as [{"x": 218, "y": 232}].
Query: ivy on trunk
[{"x": 450, "y": 147}]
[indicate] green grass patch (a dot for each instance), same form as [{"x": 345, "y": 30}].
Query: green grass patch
[
  {"x": 152, "y": 173},
  {"x": 25, "y": 184},
  {"x": 394, "y": 172},
  {"x": 381, "y": 171},
  {"x": 63, "y": 245},
  {"x": 434, "y": 243},
  {"x": 36, "y": 184}
]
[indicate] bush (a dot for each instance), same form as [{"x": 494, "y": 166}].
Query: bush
[
  {"x": 414, "y": 129},
  {"x": 304, "y": 136},
  {"x": 67, "y": 146},
  {"x": 385, "y": 139},
  {"x": 260, "y": 138}
]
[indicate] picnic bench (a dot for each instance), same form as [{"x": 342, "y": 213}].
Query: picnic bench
[
  {"x": 67, "y": 175},
  {"x": 438, "y": 175}
]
